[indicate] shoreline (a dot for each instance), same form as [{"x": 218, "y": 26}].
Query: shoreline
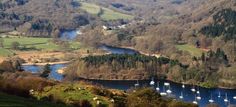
[
  {"x": 92, "y": 79},
  {"x": 42, "y": 64},
  {"x": 141, "y": 52}
]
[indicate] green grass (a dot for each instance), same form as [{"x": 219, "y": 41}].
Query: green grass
[
  {"x": 108, "y": 13},
  {"x": 15, "y": 101},
  {"x": 90, "y": 8},
  {"x": 112, "y": 15},
  {"x": 75, "y": 45},
  {"x": 191, "y": 49},
  {"x": 5, "y": 52},
  {"x": 40, "y": 44}
]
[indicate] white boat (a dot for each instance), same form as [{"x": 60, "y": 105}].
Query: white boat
[
  {"x": 152, "y": 82},
  {"x": 137, "y": 84},
  {"x": 195, "y": 101},
  {"x": 199, "y": 97},
  {"x": 198, "y": 90},
  {"x": 158, "y": 87},
  {"x": 181, "y": 96},
  {"x": 166, "y": 84},
  {"x": 226, "y": 98},
  {"x": 193, "y": 89},
  {"x": 163, "y": 93},
  {"x": 169, "y": 90},
  {"x": 211, "y": 100},
  {"x": 219, "y": 95},
  {"x": 234, "y": 97},
  {"x": 183, "y": 86}
]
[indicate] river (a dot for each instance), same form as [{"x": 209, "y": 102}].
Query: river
[
  {"x": 176, "y": 88},
  {"x": 117, "y": 50}
]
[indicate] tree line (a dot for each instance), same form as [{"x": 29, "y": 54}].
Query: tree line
[{"x": 126, "y": 61}]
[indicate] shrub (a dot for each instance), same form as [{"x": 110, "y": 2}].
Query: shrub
[{"x": 82, "y": 103}]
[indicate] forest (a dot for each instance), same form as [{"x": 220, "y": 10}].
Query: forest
[{"x": 224, "y": 24}]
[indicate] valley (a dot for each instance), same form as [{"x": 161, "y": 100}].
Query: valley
[{"x": 118, "y": 53}]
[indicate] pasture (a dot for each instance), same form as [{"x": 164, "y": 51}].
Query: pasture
[
  {"x": 191, "y": 49},
  {"x": 107, "y": 14},
  {"x": 33, "y": 44}
]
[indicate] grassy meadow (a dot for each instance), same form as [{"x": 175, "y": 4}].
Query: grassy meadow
[
  {"x": 5, "y": 52},
  {"x": 108, "y": 14},
  {"x": 38, "y": 43},
  {"x": 32, "y": 44},
  {"x": 191, "y": 49}
]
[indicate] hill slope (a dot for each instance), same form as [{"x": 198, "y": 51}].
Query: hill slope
[
  {"x": 15, "y": 101},
  {"x": 41, "y": 18}
]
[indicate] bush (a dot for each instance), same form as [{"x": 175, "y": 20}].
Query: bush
[
  {"x": 82, "y": 103},
  {"x": 102, "y": 92},
  {"x": 46, "y": 71},
  {"x": 20, "y": 83},
  {"x": 119, "y": 101},
  {"x": 147, "y": 97}
]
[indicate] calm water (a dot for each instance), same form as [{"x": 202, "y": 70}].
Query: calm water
[
  {"x": 53, "y": 74},
  {"x": 116, "y": 50},
  {"x": 69, "y": 34},
  {"x": 176, "y": 89}
]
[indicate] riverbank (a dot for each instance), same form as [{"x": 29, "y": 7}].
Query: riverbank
[
  {"x": 144, "y": 53},
  {"x": 167, "y": 80},
  {"x": 42, "y": 64}
]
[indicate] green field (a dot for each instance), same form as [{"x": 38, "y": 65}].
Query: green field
[
  {"x": 191, "y": 49},
  {"x": 5, "y": 52},
  {"x": 15, "y": 101},
  {"x": 108, "y": 13},
  {"x": 38, "y": 43},
  {"x": 30, "y": 43}
]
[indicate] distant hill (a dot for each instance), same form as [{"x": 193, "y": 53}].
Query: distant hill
[{"x": 41, "y": 17}]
